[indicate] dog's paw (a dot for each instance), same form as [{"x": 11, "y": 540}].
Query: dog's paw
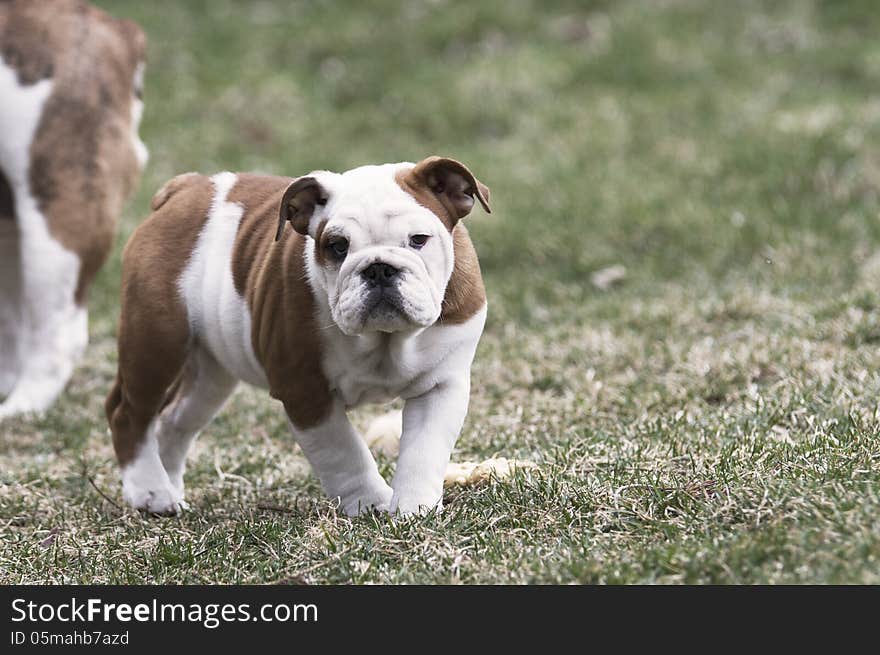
[
  {"x": 162, "y": 501},
  {"x": 410, "y": 504},
  {"x": 377, "y": 499}
]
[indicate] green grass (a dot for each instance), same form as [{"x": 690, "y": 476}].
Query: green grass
[{"x": 713, "y": 418}]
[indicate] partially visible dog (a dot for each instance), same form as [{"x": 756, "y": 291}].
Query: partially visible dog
[
  {"x": 374, "y": 294},
  {"x": 70, "y": 107}
]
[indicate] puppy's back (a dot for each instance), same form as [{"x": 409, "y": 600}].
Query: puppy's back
[{"x": 158, "y": 250}]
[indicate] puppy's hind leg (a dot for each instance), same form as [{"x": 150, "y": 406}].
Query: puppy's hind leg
[
  {"x": 202, "y": 389},
  {"x": 154, "y": 346},
  {"x": 156, "y": 341}
]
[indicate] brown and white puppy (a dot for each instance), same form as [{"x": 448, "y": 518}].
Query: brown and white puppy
[
  {"x": 70, "y": 86},
  {"x": 374, "y": 294}
]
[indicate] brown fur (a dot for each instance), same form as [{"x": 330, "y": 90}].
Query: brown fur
[
  {"x": 26, "y": 40},
  {"x": 446, "y": 187},
  {"x": 423, "y": 195},
  {"x": 271, "y": 276},
  {"x": 171, "y": 187},
  {"x": 154, "y": 335},
  {"x": 83, "y": 165},
  {"x": 321, "y": 244},
  {"x": 465, "y": 293}
]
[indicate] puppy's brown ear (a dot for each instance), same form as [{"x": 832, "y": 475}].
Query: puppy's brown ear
[
  {"x": 452, "y": 183},
  {"x": 298, "y": 204}
]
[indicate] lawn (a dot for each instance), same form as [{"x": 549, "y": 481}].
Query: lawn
[{"x": 711, "y": 417}]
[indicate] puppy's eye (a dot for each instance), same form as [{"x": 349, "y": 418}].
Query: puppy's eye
[
  {"x": 418, "y": 241},
  {"x": 338, "y": 248}
]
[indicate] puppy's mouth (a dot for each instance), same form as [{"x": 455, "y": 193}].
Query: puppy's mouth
[
  {"x": 397, "y": 303},
  {"x": 384, "y": 310},
  {"x": 382, "y": 301}
]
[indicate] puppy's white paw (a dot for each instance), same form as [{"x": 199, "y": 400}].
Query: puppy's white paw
[
  {"x": 146, "y": 487},
  {"x": 376, "y": 498},
  {"x": 164, "y": 501},
  {"x": 415, "y": 504}
]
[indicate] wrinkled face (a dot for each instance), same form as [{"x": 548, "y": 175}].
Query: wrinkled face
[{"x": 382, "y": 258}]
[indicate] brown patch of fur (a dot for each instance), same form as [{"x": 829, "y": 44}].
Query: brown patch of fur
[
  {"x": 154, "y": 334},
  {"x": 271, "y": 276},
  {"x": 465, "y": 294},
  {"x": 83, "y": 164},
  {"x": 7, "y": 202},
  {"x": 446, "y": 186},
  {"x": 168, "y": 189},
  {"x": 426, "y": 198},
  {"x": 26, "y": 40}
]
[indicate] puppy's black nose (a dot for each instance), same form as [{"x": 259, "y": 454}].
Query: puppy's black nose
[{"x": 379, "y": 274}]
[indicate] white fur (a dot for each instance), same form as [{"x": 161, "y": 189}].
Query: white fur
[
  {"x": 140, "y": 148},
  {"x": 137, "y": 112},
  {"x": 425, "y": 363},
  {"x": 343, "y": 463},
  {"x": 217, "y": 313},
  {"x": 367, "y": 207},
  {"x": 145, "y": 483},
  {"x": 51, "y": 331},
  {"x": 430, "y": 369}
]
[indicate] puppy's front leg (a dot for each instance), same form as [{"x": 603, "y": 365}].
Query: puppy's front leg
[
  {"x": 343, "y": 463},
  {"x": 431, "y": 424}
]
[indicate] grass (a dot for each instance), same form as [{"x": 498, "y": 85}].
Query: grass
[{"x": 712, "y": 418}]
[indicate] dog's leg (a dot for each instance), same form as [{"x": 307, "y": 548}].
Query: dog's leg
[
  {"x": 203, "y": 388},
  {"x": 10, "y": 304},
  {"x": 431, "y": 424},
  {"x": 153, "y": 481},
  {"x": 343, "y": 463},
  {"x": 54, "y": 329},
  {"x": 154, "y": 347}
]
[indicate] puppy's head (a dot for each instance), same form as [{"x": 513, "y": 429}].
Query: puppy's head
[{"x": 382, "y": 238}]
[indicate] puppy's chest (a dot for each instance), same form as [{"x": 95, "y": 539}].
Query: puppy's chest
[{"x": 376, "y": 368}]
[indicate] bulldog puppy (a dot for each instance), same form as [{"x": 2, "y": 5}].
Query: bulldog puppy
[
  {"x": 374, "y": 294},
  {"x": 70, "y": 88}
]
